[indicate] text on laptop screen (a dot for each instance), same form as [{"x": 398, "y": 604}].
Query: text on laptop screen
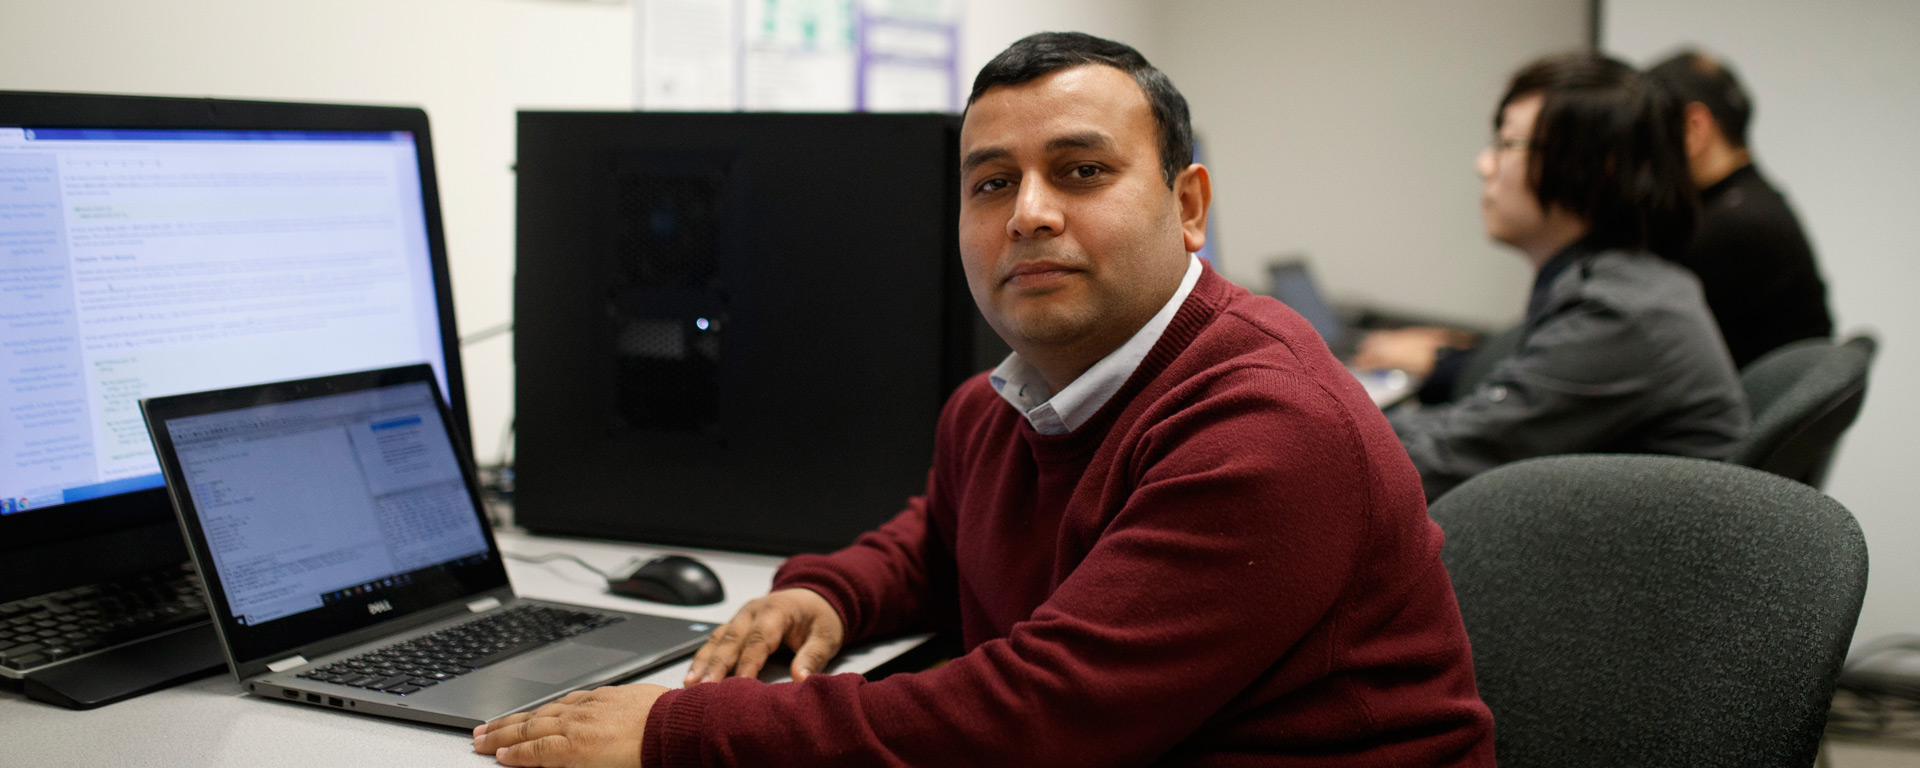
[
  {"x": 319, "y": 500},
  {"x": 141, "y": 263}
]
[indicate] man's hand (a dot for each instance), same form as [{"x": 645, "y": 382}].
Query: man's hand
[
  {"x": 1408, "y": 349},
  {"x": 600, "y": 728},
  {"x": 799, "y": 619}
]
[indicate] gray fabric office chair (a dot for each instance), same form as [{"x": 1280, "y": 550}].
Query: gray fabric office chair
[
  {"x": 1652, "y": 610},
  {"x": 1803, "y": 396}
]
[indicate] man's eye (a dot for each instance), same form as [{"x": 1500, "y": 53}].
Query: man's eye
[
  {"x": 1085, "y": 171},
  {"x": 991, "y": 185}
]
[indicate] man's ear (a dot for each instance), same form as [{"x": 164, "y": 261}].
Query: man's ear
[
  {"x": 1702, "y": 129},
  {"x": 1193, "y": 189}
]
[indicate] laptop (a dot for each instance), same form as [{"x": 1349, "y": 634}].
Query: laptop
[
  {"x": 1291, "y": 283},
  {"x": 348, "y": 563}
]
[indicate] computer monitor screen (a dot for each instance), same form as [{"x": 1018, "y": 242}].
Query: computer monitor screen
[
  {"x": 151, "y": 247},
  {"x": 713, "y": 352}
]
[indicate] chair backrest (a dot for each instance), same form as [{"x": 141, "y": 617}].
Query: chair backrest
[
  {"x": 1652, "y": 610},
  {"x": 1803, "y": 397}
]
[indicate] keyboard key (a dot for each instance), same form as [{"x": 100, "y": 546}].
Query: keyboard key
[
  {"x": 404, "y": 689},
  {"x": 22, "y": 650},
  {"x": 25, "y": 662}
]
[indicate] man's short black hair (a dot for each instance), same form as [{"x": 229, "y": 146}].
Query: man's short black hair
[
  {"x": 1695, "y": 76},
  {"x": 1609, "y": 146},
  {"x": 1044, "y": 53}
]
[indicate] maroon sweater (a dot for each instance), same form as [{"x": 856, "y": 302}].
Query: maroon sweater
[{"x": 1229, "y": 564}]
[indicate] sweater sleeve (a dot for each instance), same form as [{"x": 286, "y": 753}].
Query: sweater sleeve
[
  {"x": 894, "y": 579},
  {"x": 1231, "y": 548}
]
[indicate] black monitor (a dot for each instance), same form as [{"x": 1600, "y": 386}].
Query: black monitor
[
  {"x": 735, "y": 330},
  {"x": 153, "y": 246}
]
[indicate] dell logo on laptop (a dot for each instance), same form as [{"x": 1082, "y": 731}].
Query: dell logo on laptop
[{"x": 379, "y": 607}]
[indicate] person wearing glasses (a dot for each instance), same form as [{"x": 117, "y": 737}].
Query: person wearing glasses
[{"x": 1587, "y": 178}]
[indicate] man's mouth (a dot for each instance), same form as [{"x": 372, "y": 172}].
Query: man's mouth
[{"x": 1034, "y": 274}]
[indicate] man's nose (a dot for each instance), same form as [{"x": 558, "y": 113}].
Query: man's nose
[
  {"x": 1483, "y": 163},
  {"x": 1036, "y": 211}
]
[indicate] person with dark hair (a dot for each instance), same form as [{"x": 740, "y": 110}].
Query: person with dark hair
[
  {"x": 1752, "y": 257},
  {"x": 1587, "y": 177},
  {"x": 1169, "y": 529}
]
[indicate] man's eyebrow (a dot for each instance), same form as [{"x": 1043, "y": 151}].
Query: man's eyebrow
[
  {"x": 1081, "y": 140},
  {"x": 980, "y": 157}
]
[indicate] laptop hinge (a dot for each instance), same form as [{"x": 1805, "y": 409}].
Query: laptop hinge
[
  {"x": 287, "y": 663},
  {"x": 484, "y": 604}
]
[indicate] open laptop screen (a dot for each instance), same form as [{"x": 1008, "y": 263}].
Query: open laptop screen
[
  {"x": 1294, "y": 286},
  {"x": 138, "y": 262},
  {"x": 321, "y": 507}
]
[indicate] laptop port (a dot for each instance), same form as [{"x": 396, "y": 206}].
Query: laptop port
[
  {"x": 291, "y": 694},
  {"x": 334, "y": 701},
  {"x": 313, "y": 698}
]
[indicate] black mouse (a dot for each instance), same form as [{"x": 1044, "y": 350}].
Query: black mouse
[{"x": 673, "y": 579}]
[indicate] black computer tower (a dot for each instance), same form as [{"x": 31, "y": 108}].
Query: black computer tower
[{"x": 734, "y": 330}]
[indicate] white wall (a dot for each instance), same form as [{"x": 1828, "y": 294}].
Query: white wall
[
  {"x": 470, "y": 63},
  {"x": 1835, "y": 107},
  {"x": 1347, "y": 131},
  {"x": 992, "y": 25}
]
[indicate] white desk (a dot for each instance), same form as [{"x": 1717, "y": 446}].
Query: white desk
[{"x": 210, "y": 722}]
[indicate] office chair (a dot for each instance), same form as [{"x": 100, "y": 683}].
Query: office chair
[
  {"x": 1652, "y": 610},
  {"x": 1803, "y": 396}
]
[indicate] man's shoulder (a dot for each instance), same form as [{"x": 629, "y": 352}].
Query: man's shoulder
[
  {"x": 1752, "y": 215},
  {"x": 1259, "y": 353}
]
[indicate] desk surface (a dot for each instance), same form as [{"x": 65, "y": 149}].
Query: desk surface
[{"x": 210, "y": 722}]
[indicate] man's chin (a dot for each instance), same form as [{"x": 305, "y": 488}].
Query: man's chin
[{"x": 1049, "y": 330}]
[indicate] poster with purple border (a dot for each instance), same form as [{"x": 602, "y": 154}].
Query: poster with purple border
[
  {"x": 909, "y": 55},
  {"x": 798, "y": 55}
]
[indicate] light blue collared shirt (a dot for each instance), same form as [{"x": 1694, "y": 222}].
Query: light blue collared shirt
[{"x": 1021, "y": 385}]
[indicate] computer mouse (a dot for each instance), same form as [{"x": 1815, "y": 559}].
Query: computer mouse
[{"x": 673, "y": 579}]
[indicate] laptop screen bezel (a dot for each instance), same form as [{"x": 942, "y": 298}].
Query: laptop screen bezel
[{"x": 329, "y": 628}]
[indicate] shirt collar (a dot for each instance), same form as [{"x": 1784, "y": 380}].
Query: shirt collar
[
  {"x": 1021, "y": 385},
  {"x": 1550, "y": 271},
  {"x": 1739, "y": 176}
]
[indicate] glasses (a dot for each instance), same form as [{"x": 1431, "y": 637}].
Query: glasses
[{"x": 1502, "y": 144}]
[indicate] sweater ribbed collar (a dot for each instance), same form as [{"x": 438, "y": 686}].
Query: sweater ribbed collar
[{"x": 1204, "y": 303}]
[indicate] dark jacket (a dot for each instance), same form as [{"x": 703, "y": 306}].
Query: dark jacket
[{"x": 1620, "y": 356}]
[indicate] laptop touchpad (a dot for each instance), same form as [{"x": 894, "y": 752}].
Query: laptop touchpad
[{"x": 561, "y": 663}]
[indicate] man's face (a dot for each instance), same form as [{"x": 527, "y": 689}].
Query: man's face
[
  {"x": 1069, "y": 235},
  {"x": 1507, "y": 200}
]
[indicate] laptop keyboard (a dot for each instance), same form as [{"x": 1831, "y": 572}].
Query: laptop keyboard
[
  {"x": 408, "y": 667},
  {"x": 44, "y": 629}
]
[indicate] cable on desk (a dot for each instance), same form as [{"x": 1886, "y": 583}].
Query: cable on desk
[{"x": 552, "y": 556}]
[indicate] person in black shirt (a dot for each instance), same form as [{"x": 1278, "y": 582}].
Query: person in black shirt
[{"x": 1752, "y": 257}]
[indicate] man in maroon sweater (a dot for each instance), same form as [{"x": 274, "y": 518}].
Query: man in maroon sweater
[{"x": 1170, "y": 528}]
